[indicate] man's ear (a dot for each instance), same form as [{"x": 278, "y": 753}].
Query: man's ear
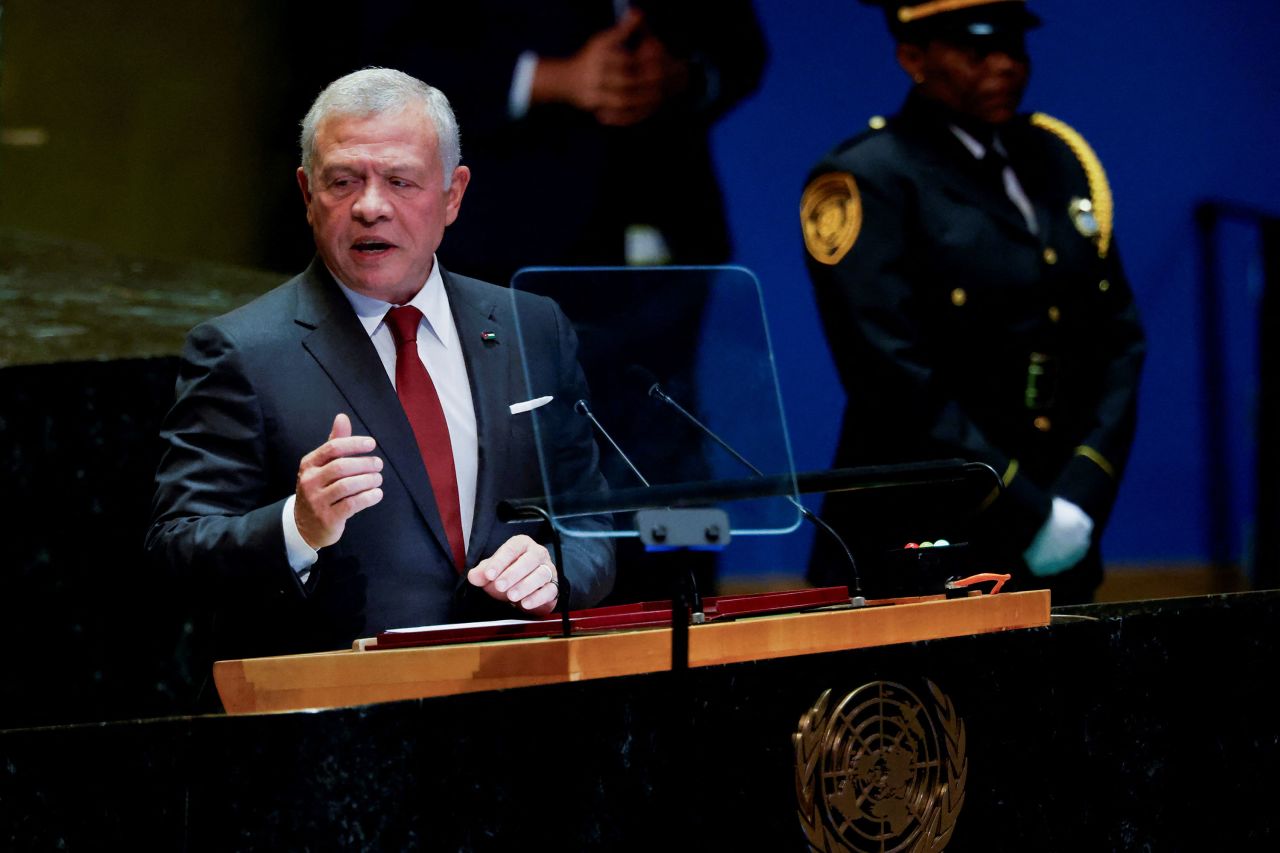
[
  {"x": 305, "y": 186},
  {"x": 458, "y": 187},
  {"x": 911, "y": 58}
]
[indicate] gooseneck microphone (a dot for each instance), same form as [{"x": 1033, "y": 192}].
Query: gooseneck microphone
[
  {"x": 583, "y": 409},
  {"x": 654, "y": 390},
  {"x": 679, "y": 627}
]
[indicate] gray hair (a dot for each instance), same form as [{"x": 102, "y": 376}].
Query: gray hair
[{"x": 374, "y": 91}]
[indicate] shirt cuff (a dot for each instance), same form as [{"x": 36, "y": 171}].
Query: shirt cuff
[
  {"x": 301, "y": 555},
  {"x": 522, "y": 85}
]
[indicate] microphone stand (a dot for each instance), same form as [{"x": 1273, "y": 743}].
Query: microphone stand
[
  {"x": 686, "y": 601},
  {"x": 856, "y": 598}
]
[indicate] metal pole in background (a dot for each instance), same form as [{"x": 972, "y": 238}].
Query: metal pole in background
[
  {"x": 1213, "y": 385},
  {"x": 1266, "y": 567}
]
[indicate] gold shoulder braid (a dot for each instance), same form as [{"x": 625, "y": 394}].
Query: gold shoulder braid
[
  {"x": 1101, "y": 206},
  {"x": 831, "y": 216}
]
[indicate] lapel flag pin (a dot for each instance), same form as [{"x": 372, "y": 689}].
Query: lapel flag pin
[{"x": 489, "y": 337}]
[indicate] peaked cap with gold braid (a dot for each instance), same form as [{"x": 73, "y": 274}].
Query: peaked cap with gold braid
[{"x": 915, "y": 20}]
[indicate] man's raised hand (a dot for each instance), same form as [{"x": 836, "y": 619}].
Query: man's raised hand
[{"x": 335, "y": 481}]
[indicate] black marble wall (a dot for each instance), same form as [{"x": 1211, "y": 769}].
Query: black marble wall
[
  {"x": 93, "y": 635},
  {"x": 88, "y": 356}
]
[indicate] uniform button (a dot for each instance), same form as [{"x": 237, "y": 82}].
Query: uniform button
[
  {"x": 1054, "y": 314},
  {"x": 877, "y": 122},
  {"x": 959, "y": 297},
  {"x": 1104, "y": 285},
  {"x": 1050, "y": 256},
  {"x": 1042, "y": 423}
]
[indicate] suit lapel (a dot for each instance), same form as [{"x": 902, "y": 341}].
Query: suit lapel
[
  {"x": 477, "y": 312},
  {"x": 343, "y": 349}
]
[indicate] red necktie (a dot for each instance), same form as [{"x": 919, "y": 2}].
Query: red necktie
[{"x": 422, "y": 404}]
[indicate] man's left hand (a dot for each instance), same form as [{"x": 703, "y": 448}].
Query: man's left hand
[{"x": 520, "y": 572}]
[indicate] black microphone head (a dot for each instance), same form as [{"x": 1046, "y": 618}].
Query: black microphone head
[
  {"x": 645, "y": 379},
  {"x": 581, "y": 407}
]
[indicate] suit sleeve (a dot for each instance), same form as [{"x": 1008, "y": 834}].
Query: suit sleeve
[
  {"x": 454, "y": 48},
  {"x": 469, "y": 50},
  {"x": 869, "y": 304},
  {"x": 213, "y": 522},
  {"x": 1091, "y": 479},
  {"x": 724, "y": 44}
]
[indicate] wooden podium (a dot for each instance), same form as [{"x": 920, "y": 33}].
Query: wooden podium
[{"x": 352, "y": 677}]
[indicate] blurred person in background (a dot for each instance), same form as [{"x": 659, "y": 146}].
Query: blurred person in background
[{"x": 964, "y": 265}]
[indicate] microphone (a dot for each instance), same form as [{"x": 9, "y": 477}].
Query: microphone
[
  {"x": 695, "y": 597},
  {"x": 646, "y": 379},
  {"x": 583, "y": 409},
  {"x": 655, "y": 391}
]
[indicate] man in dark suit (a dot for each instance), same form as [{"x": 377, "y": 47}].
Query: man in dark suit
[
  {"x": 963, "y": 260},
  {"x": 339, "y": 445}
]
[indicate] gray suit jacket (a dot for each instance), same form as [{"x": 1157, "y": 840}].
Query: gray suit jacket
[{"x": 258, "y": 389}]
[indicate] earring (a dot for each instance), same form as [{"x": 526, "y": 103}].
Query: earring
[{"x": 919, "y": 78}]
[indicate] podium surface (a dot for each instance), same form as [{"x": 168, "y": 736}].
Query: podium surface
[{"x": 336, "y": 679}]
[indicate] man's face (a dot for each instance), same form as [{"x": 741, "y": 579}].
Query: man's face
[
  {"x": 376, "y": 201},
  {"x": 984, "y": 83}
]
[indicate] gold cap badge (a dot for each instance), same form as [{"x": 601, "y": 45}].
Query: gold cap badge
[{"x": 831, "y": 216}]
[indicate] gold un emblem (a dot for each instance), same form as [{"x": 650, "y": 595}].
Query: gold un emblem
[{"x": 881, "y": 771}]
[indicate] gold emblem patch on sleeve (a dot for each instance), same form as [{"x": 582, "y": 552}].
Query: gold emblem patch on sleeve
[{"x": 831, "y": 216}]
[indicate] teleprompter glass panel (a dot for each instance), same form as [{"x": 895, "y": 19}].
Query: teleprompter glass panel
[{"x": 665, "y": 352}]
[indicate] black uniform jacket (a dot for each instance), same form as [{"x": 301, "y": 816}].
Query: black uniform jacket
[{"x": 959, "y": 332}]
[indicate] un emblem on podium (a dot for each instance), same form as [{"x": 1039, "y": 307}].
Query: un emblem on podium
[{"x": 882, "y": 771}]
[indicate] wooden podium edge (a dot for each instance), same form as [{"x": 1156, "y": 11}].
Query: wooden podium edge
[{"x": 345, "y": 678}]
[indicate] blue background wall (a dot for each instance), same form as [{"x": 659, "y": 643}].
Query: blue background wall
[{"x": 1181, "y": 100}]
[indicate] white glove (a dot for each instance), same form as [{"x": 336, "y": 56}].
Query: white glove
[{"x": 1062, "y": 541}]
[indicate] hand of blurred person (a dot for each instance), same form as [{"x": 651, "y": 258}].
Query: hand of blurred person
[
  {"x": 621, "y": 75},
  {"x": 1062, "y": 541}
]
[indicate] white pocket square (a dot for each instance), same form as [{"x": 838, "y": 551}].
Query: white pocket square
[{"x": 529, "y": 405}]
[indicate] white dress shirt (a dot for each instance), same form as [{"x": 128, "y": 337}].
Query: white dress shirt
[{"x": 441, "y": 354}]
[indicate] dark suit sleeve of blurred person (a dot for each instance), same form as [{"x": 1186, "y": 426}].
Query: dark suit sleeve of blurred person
[
  {"x": 965, "y": 326},
  {"x": 474, "y": 48},
  {"x": 557, "y": 185}
]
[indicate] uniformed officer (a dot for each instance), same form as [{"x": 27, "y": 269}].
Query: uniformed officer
[{"x": 963, "y": 262}]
